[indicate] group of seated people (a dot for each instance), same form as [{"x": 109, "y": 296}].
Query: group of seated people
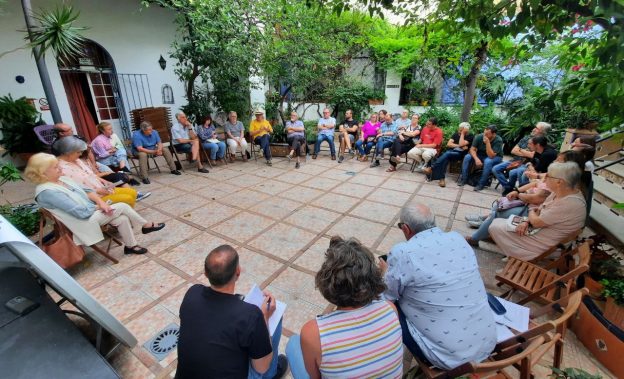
[{"x": 381, "y": 304}]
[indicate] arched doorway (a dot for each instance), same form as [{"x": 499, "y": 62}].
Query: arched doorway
[{"x": 90, "y": 83}]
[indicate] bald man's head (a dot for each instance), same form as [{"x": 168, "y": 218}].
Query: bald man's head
[
  {"x": 220, "y": 265},
  {"x": 63, "y": 130}
]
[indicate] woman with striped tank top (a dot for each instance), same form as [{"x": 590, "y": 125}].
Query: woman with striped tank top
[{"x": 362, "y": 337}]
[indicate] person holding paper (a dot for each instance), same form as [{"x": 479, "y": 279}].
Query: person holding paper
[
  {"x": 435, "y": 280},
  {"x": 221, "y": 336},
  {"x": 559, "y": 216},
  {"x": 362, "y": 337}
]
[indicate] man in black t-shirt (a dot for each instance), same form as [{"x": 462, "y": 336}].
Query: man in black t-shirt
[
  {"x": 457, "y": 147},
  {"x": 543, "y": 157},
  {"x": 348, "y": 134},
  {"x": 221, "y": 336}
]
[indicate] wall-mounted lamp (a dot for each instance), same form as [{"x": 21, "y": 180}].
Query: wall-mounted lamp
[
  {"x": 20, "y": 79},
  {"x": 162, "y": 62}
]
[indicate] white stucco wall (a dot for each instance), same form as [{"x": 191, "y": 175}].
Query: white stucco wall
[{"x": 135, "y": 38}]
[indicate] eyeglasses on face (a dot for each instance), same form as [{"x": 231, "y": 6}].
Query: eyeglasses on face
[{"x": 400, "y": 225}]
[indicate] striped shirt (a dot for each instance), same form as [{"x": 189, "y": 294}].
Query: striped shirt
[{"x": 364, "y": 342}]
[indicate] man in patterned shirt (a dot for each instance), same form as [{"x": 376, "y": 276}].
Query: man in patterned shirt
[{"x": 434, "y": 279}]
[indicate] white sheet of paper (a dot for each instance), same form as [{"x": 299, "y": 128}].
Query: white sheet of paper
[
  {"x": 256, "y": 297},
  {"x": 502, "y": 332},
  {"x": 516, "y": 317}
]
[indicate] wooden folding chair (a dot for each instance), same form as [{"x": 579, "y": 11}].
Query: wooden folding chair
[
  {"x": 547, "y": 258},
  {"x": 516, "y": 353},
  {"x": 542, "y": 284},
  {"x": 106, "y": 230}
]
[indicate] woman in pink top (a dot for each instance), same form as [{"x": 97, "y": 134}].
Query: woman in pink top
[{"x": 367, "y": 137}]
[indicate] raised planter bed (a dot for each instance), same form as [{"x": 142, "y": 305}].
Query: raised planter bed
[{"x": 600, "y": 336}]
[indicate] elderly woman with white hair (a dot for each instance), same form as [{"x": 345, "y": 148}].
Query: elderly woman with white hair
[
  {"x": 457, "y": 147},
  {"x": 70, "y": 149},
  {"x": 235, "y": 132},
  {"x": 82, "y": 210},
  {"x": 561, "y": 214}
]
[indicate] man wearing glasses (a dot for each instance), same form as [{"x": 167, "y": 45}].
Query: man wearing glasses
[{"x": 434, "y": 280}]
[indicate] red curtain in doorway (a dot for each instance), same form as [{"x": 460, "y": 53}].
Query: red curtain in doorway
[{"x": 85, "y": 124}]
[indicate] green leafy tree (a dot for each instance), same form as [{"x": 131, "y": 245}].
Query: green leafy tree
[
  {"x": 305, "y": 53},
  {"x": 216, "y": 44}
]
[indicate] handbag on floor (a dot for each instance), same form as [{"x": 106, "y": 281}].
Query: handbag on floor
[{"x": 60, "y": 247}]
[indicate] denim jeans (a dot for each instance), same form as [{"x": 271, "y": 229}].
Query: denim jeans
[
  {"x": 217, "y": 150},
  {"x": 264, "y": 142},
  {"x": 441, "y": 164},
  {"x": 483, "y": 233},
  {"x": 382, "y": 143},
  {"x": 295, "y": 358},
  {"x": 364, "y": 148},
  {"x": 253, "y": 374},
  {"x": 325, "y": 137},
  {"x": 488, "y": 163},
  {"x": 514, "y": 175},
  {"x": 519, "y": 173}
]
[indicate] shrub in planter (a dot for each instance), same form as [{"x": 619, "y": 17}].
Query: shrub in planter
[
  {"x": 602, "y": 265},
  {"x": 613, "y": 290},
  {"x": 25, "y": 218},
  {"x": 572, "y": 373}
]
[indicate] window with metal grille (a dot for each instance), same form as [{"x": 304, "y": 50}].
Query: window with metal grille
[{"x": 167, "y": 94}]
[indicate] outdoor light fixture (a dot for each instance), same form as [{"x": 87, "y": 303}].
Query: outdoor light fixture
[
  {"x": 20, "y": 79},
  {"x": 162, "y": 62}
]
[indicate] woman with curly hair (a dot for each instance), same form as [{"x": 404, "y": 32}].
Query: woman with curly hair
[{"x": 362, "y": 337}]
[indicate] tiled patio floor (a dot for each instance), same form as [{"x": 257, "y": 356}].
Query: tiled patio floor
[{"x": 280, "y": 220}]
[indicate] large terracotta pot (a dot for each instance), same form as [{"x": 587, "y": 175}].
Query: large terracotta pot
[
  {"x": 601, "y": 337},
  {"x": 614, "y": 313}
]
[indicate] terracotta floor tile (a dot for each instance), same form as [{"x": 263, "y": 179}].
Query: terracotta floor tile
[
  {"x": 353, "y": 189},
  {"x": 282, "y": 240},
  {"x": 276, "y": 207},
  {"x": 302, "y": 194},
  {"x": 245, "y": 198},
  {"x": 257, "y": 264},
  {"x": 298, "y": 311},
  {"x": 173, "y": 301},
  {"x": 173, "y": 233},
  {"x": 336, "y": 174},
  {"x": 162, "y": 194},
  {"x": 440, "y": 207},
  {"x": 210, "y": 214},
  {"x": 243, "y": 226},
  {"x": 367, "y": 179},
  {"x": 378, "y": 212},
  {"x": 337, "y": 203},
  {"x": 190, "y": 256},
  {"x": 151, "y": 322},
  {"x": 365, "y": 231},
  {"x": 387, "y": 196},
  {"x": 153, "y": 279},
  {"x": 314, "y": 256},
  {"x": 437, "y": 192},
  {"x": 293, "y": 177},
  {"x": 128, "y": 366},
  {"x": 398, "y": 185},
  {"x": 313, "y": 218},
  {"x": 321, "y": 183},
  {"x": 273, "y": 187},
  {"x": 182, "y": 204}
]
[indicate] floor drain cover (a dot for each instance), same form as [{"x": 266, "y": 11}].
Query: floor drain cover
[{"x": 163, "y": 342}]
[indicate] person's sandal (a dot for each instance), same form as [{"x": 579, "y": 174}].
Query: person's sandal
[
  {"x": 135, "y": 250},
  {"x": 153, "y": 228},
  {"x": 391, "y": 169}
]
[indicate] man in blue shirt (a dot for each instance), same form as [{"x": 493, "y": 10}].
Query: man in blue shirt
[
  {"x": 325, "y": 127},
  {"x": 385, "y": 137},
  {"x": 145, "y": 142},
  {"x": 435, "y": 281}
]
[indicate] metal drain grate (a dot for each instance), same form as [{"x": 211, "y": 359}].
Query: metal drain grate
[{"x": 164, "y": 342}]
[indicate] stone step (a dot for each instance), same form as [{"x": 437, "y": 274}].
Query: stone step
[
  {"x": 604, "y": 220},
  {"x": 614, "y": 173},
  {"x": 608, "y": 193}
]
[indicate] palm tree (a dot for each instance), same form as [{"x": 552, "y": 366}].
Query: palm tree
[{"x": 57, "y": 33}]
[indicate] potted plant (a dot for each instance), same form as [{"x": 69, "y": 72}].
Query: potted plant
[
  {"x": 24, "y": 217},
  {"x": 572, "y": 373},
  {"x": 17, "y": 120},
  {"x": 602, "y": 265},
  {"x": 613, "y": 290}
]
